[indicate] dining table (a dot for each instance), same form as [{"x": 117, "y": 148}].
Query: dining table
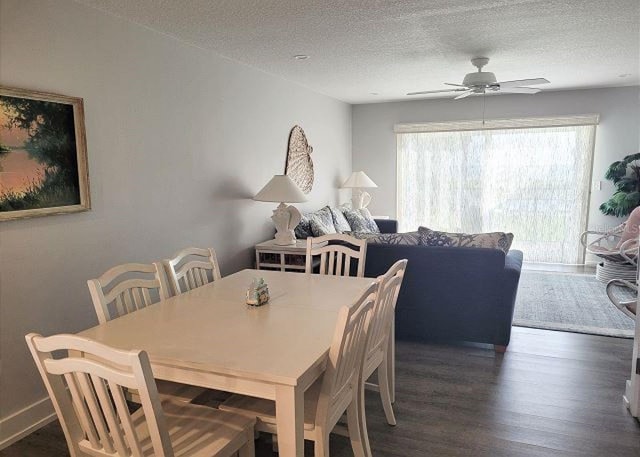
[{"x": 210, "y": 337}]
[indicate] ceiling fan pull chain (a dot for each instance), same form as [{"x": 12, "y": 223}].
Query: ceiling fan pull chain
[{"x": 484, "y": 105}]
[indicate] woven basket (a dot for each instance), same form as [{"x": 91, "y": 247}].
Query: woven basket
[{"x": 606, "y": 271}]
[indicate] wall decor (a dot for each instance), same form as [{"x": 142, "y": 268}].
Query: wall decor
[
  {"x": 43, "y": 154},
  {"x": 299, "y": 165}
]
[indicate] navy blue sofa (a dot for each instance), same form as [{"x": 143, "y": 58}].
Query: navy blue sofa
[{"x": 451, "y": 294}]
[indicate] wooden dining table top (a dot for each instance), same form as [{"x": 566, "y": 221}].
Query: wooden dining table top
[{"x": 212, "y": 329}]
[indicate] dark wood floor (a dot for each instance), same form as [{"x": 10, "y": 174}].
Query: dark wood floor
[{"x": 552, "y": 394}]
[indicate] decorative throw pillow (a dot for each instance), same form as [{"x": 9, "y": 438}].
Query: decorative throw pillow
[
  {"x": 361, "y": 220},
  {"x": 398, "y": 239},
  {"x": 321, "y": 222},
  {"x": 494, "y": 240},
  {"x": 303, "y": 229},
  {"x": 339, "y": 221}
]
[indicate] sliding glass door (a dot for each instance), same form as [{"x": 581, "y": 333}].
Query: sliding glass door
[{"x": 533, "y": 182}]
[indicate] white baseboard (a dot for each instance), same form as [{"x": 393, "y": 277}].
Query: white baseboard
[{"x": 21, "y": 423}]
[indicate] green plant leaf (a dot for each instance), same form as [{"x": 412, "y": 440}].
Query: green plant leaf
[{"x": 627, "y": 195}]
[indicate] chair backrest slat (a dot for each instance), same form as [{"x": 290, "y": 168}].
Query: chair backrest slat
[
  {"x": 192, "y": 268},
  {"x": 87, "y": 395},
  {"x": 122, "y": 290},
  {"x": 346, "y": 357},
  {"x": 336, "y": 252},
  {"x": 127, "y": 425},
  {"x": 80, "y": 406},
  {"x": 110, "y": 414}
]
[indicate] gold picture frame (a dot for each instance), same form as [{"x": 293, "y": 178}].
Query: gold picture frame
[{"x": 43, "y": 154}]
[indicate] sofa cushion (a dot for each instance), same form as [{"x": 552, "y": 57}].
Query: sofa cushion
[
  {"x": 303, "y": 229},
  {"x": 361, "y": 220},
  {"x": 403, "y": 239},
  {"x": 321, "y": 222},
  {"x": 339, "y": 221},
  {"x": 493, "y": 240}
]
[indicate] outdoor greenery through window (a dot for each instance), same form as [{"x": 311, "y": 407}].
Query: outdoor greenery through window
[{"x": 532, "y": 181}]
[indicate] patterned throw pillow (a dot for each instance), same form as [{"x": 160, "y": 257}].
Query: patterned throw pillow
[
  {"x": 494, "y": 240},
  {"x": 321, "y": 222},
  {"x": 303, "y": 229},
  {"x": 360, "y": 220},
  {"x": 398, "y": 239},
  {"x": 339, "y": 221}
]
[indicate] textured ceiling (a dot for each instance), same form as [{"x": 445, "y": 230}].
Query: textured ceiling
[{"x": 391, "y": 47}]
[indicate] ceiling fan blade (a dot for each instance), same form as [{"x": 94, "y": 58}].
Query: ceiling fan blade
[
  {"x": 465, "y": 94},
  {"x": 458, "y": 85},
  {"x": 520, "y": 90},
  {"x": 523, "y": 82},
  {"x": 435, "y": 91}
]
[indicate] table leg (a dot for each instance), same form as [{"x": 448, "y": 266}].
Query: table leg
[
  {"x": 391, "y": 361},
  {"x": 290, "y": 421}
]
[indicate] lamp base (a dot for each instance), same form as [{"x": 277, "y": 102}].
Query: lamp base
[
  {"x": 360, "y": 199},
  {"x": 285, "y": 239},
  {"x": 285, "y": 218}
]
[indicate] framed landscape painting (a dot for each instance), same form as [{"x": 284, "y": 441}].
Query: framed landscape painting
[{"x": 43, "y": 155}]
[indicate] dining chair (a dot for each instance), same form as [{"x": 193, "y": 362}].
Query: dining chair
[
  {"x": 333, "y": 393},
  {"x": 379, "y": 353},
  {"x": 191, "y": 268},
  {"x": 336, "y": 252},
  {"x": 130, "y": 287},
  {"x": 127, "y": 288},
  {"x": 88, "y": 396}
]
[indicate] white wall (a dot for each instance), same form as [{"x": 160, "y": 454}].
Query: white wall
[
  {"x": 374, "y": 143},
  {"x": 179, "y": 139}
]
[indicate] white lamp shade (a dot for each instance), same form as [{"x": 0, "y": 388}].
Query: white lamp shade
[
  {"x": 358, "y": 179},
  {"x": 281, "y": 189}
]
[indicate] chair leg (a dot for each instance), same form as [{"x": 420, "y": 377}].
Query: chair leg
[
  {"x": 355, "y": 430},
  {"x": 499, "y": 349},
  {"x": 362, "y": 417},
  {"x": 249, "y": 449},
  {"x": 385, "y": 392},
  {"x": 391, "y": 361},
  {"x": 321, "y": 445}
]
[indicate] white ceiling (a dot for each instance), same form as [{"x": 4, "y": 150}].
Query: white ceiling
[{"x": 391, "y": 47}]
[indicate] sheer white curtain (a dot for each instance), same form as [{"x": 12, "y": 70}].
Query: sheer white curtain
[{"x": 531, "y": 181}]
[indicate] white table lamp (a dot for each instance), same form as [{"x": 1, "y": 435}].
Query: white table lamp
[
  {"x": 357, "y": 181},
  {"x": 282, "y": 189}
]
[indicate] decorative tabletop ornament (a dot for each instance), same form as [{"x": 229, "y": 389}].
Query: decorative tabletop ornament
[
  {"x": 257, "y": 293},
  {"x": 299, "y": 165}
]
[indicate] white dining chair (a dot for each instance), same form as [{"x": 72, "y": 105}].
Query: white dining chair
[
  {"x": 378, "y": 355},
  {"x": 336, "y": 252},
  {"x": 128, "y": 288},
  {"x": 87, "y": 393},
  {"x": 191, "y": 268},
  {"x": 332, "y": 394}
]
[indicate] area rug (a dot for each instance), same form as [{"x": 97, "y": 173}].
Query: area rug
[{"x": 571, "y": 303}]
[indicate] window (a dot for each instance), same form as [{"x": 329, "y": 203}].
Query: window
[{"x": 528, "y": 176}]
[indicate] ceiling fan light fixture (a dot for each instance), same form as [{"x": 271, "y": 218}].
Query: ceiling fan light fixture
[{"x": 479, "y": 78}]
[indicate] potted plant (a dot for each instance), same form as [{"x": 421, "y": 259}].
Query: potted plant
[{"x": 625, "y": 175}]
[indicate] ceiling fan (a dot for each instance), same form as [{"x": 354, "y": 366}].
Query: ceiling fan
[{"x": 483, "y": 82}]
